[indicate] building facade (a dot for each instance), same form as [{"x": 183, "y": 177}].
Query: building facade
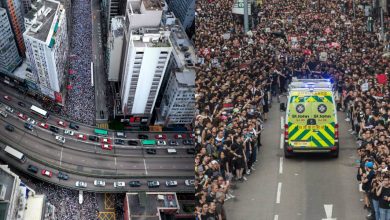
[
  {"x": 9, "y": 56},
  {"x": 14, "y": 10},
  {"x": 47, "y": 45},
  {"x": 184, "y": 10},
  {"x": 114, "y": 48}
]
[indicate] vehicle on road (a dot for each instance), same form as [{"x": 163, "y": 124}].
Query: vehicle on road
[
  {"x": 171, "y": 183},
  {"x": 32, "y": 168},
  {"x": 43, "y": 125},
  {"x": 47, "y": 173},
  {"x": 106, "y": 146},
  {"x": 180, "y": 136},
  {"x": 191, "y": 151},
  {"x": 189, "y": 182},
  {"x": 143, "y": 136},
  {"x": 99, "y": 183},
  {"x": 61, "y": 123},
  {"x": 54, "y": 129},
  {"x": 173, "y": 143},
  {"x": 171, "y": 151},
  {"x": 7, "y": 98},
  {"x": 106, "y": 140},
  {"x": 82, "y": 137},
  {"x": 74, "y": 126},
  {"x": 120, "y": 134},
  {"x": 93, "y": 138},
  {"x": 188, "y": 142},
  {"x": 81, "y": 184},
  {"x": 69, "y": 132},
  {"x": 38, "y": 111},
  {"x": 161, "y": 136},
  {"x": 311, "y": 118},
  {"x": 192, "y": 135},
  {"x": 135, "y": 183},
  {"x": 9, "y": 128},
  {"x": 133, "y": 142},
  {"x": 4, "y": 114},
  {"x": 28, "y": 126},
  {"x": 22, "y": 104},
  {"x": 161, "y": 143},
  {"x": 60, "y": 139},
  {"x": 31, "y": 121},
  {"x": 15, "y": 154},
  {"x": 22, "y": 116},
  {"x": 151, "y": 151},
  {"x": 119, "y": 141},
  {"x": 153, "y": 183},
  {"x": 9, "y": 109},
  {"x": 62, "y": 176},
  {"x": 119, "y": 184}
]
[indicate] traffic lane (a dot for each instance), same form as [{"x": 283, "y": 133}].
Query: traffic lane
[{"x": 318, "y": 180}]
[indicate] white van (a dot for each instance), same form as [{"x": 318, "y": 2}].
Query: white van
[
  {"x": 4, "y": 114},
  {"x": 171, "y": 151},
  {"x": 120, "y": 134}
]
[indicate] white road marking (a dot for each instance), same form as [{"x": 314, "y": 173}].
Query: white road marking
[
  {"x": 328, "y": 211},
  {"x": 281, "y": 141},
  {"x": 281, "y": 165},
  {"x": 276, "y": 217},
  {"x": 281, "y": 122},
  {"x": 278, "y": 193},
  {"x": 61, "y": 156},
  {"x": 115, "y": 161},
  {"x": 146, "y": 171}
]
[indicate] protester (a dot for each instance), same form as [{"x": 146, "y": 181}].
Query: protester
[{"x": 241, "y": 74}]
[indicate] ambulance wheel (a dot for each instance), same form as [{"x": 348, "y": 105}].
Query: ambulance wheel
[
  {"x": 336, "y": 153},
  {"x": 287, "y": 154}
]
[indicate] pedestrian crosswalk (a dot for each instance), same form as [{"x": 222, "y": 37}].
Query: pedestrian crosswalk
[{"x": 102, "y": 125}]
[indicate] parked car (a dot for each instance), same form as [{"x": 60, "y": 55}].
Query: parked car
[
  {"x": 189, "y": 182},
  {"x": 120, "y": 134},
  {"x": 60, "y": 139},
  {"x": 106, "y": 140},
  {"x": 135, "y": 183},
  {"x": 7, "y": 98},
  {"x": 9, "y": 128},
  {"x": 54, "y": 129},
  {"x": 32, "y": 168},
  {"x": 81, "y": 184},
  {"x": 119, "y": 184},
  {"x": 62, "y": 176},
  {"x": 180, "y": 136},
  {"x": 43, "y": 125},
  {"x": 4, "y": 114},
  {"x": 173, "y": 143},
  {"x": 99, "y": 183},
  {"x": 82, "y": 137},
  {"x": 161, "y": 143},
  {"x": 47, "y": 173},
  {"x": 151, "y": 151},
  {"x": 153, "y": 184},
  {"x": 9, "y": 109},
  {"x": 73, "y": 126},
  {"x": 106, "y": 146},
  {"x": 133, "y": 142},
  {"x": 188, "y": 142},
  {"x": 61, "y": 123},
  {"x": 119, "y": 141},
  {"x": 22, "y": 116},
  {"x": 28, "y": 126},
  {"x": 161, "y": 136},
  {"x": 21, "y": 104},
  {"x": 69, "y": 132},
  {"x": 171, "y": 183},
  {"x": 93, "y": 138},
  {"x": 143, "y": 136}
]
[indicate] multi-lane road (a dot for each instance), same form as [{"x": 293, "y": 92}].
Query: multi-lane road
[
  {"x": 299, "y": 188},
  {"x": 84, "y": 159}
]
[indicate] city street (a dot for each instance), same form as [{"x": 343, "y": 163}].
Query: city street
[{"x": 298, "y": 188}]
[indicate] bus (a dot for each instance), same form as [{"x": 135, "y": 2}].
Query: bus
[
  {"x": 148, "y": 142},
  {"x": 38, "y": 111},
  {"x": 15, "y": 153},
  {"x": 100, "y": 131}
]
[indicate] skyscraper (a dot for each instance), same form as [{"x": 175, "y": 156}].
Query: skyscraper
[
  {"x": 114, "y": 48},
  {"x": 9, "y": 56},
  {"x": 184, "y": 10}
]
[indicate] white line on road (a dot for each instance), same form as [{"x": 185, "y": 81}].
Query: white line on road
[
  {"x": 146, "y": 171},
  {"x": 281, "y": 122},
  {"x": 281, "y": 141},
  {"x": 115, "y": 161},
  {"x": 328, "y": 211},
  {"x": 281, "y": 165},
  {"x": 278, "y": 193},
  {"x": 276, "y": 217},
  {"x": 61, "y": 155}
]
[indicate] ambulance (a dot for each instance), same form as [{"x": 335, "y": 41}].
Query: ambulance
[{"x": 311, "y": 118}]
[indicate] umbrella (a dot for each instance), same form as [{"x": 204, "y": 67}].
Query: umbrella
[{"x": 69, "y": 87}]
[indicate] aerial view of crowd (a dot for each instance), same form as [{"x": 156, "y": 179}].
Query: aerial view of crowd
[
  {"x": 80, "y": 100},
  {"x": 240, "y": 73}
]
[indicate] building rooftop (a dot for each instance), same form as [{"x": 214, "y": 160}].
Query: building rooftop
[
  {"x": 117, "y": 26},
  {"x": 187, "y": 77},
  {"x": 152, "y": 4},
  {"x": 7, "y": 180},
  {"x": 41, "y": 27},
  {"x": 151, "y": 37}
]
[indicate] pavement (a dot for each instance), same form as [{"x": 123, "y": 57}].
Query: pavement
[{"x": 300, "y": 188}]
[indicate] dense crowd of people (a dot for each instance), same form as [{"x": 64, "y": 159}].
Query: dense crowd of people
[
  {"x": 80, "y": 99},
  {"x": 66, "y": 202},
  {"x": 240, "y": 73}
]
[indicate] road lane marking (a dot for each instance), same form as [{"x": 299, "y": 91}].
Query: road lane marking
[
  {"x": 281, "y": 165},
  {"x": 115, "y": 161},
  {"x": 281, "y": 141},
  {"x": 281, "y": 122},
  {"x": 146, "y": 171},
  {"x": 276, "y": 217},
  {"x": 61, "y": 156},
  {"x": 278, "y": 193},
  {"x": 328, "y": 211}
]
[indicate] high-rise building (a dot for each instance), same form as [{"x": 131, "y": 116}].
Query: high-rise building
[
  {"x": 114, "y": 48},
  {"x": 184, "y": 10},
  {"x": 14, "y": 10},
  {"x": 47, "y": 45},
  {"x": 26, "y": 6},
  {"x": 9, "y": 56},
  {"x": 145, "y": 58}
]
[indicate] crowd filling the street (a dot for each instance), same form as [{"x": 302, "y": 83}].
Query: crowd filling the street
[{"x": 240, "y": 73}]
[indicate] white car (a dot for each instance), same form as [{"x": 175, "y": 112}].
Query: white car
[
  {"x": 60, "y": 139},
  {"x": 161, "y": 143},
  {"x": 81, "y": 184},
  {"x": 69, "y": 132},
  {"x": 119, "y": 184},
  {"x": 99, "y": 183},
  {"x": 189, "y": 182},
  {"x": 31, "y": 121},
  {"x": 170, "y": 183},
  {"x": 9, "y": 109}
]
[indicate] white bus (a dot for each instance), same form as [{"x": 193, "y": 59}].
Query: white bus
[
  {"x": 15, "y": 153},
  {"x": 38, "y": 111}
]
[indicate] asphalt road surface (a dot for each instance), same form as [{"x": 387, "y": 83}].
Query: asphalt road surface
[{"x": 299, "y": 188}]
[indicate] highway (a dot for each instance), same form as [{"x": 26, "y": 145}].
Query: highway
[{"x": 299, "y": 188}]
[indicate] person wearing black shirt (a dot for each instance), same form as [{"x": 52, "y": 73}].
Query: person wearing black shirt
[
  {"x": 239, "y": 162},
  {"x": 384, "y": 199}
]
